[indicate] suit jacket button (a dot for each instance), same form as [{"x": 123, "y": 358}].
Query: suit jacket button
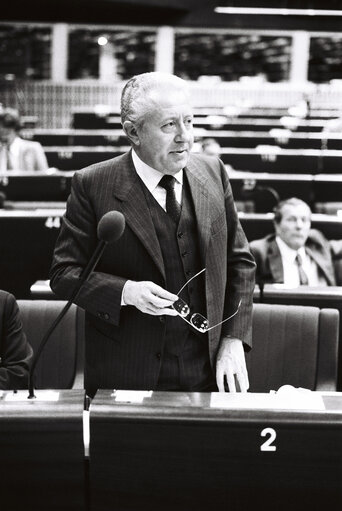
[
  {"x": 161, "y": 319},
  {"x": 158, "y": 355},
  {"x": 106, "y": 316}
]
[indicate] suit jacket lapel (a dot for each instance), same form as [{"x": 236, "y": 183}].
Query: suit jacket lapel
[
  {"x": 200, "y": 197},
  {"x": 275, "y": 262},
  {"x": 321, "y": 263},
  {"x": 129, "y": 191}
]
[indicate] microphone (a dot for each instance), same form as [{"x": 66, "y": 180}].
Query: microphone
[{"x": 110, "y": 228}]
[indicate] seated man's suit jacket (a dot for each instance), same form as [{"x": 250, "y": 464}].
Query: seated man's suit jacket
[
  {"x": 269, "y": 262},
  {"x": 31, "y": 156},
  {"x": 122, "y": 343},
  {"x": 15, "y": 351}
]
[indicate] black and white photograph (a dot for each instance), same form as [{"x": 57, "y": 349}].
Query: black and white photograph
[{"x": 171, "y": 255}]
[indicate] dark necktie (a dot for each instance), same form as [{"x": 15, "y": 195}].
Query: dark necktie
[
  {"x": 173, "y": 207},
  {"x": 303, "y": 278},
  {"x": 9, "y": 158}
]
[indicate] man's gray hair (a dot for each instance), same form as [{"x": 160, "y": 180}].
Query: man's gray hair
[
  {"x": 292, "y": 201},
  {"x": 134, "y": 102}
]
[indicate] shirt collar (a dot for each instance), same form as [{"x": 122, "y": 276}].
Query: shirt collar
[
  {"x": 14, "y": 146},
  {"x": 149, "y": 175},
  {"x": 289, "y": 253}
]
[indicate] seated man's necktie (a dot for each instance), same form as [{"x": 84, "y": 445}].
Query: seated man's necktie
[
  {"x": 303, "y": 278},
  {"x": 173, "y": 208},
  {"x": 9, "y": 164}
]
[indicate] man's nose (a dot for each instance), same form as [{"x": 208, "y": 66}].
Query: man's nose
[
  {"x": 183, "y": 134},
  {"x": 300, "y": 223}
]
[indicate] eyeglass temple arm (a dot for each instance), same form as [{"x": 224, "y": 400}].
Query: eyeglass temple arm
[
  {"x": 230, "y": 317},
  {"x": 187, "y": 282}
]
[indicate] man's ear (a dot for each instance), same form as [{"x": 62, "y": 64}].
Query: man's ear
[{"x": 131, "y": 132}]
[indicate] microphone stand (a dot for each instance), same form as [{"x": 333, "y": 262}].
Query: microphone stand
[
  {"x": 82, "y": 278},
  {"x": 261, "y": 284}
]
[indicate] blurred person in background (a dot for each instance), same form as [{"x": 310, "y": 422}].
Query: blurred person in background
[
  {"x": 211, "y": 147},
  {"x": 295, "y": 254},
  {"x": 15, "y": 351},
  {"x": 15, "y": 152}
]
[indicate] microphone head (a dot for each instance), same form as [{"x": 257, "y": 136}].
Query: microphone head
[{"x": 111, "y": 226}]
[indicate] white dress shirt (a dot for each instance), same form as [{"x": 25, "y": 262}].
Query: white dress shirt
[
  {"x": 151, "y": 178},
  {"x": 290, "y": 267},
  {"x": 14, "y": 155}
]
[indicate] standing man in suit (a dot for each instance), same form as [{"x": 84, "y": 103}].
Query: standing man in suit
[
  {"x": 295, "y": 255},
  {"x": 15, "y": 152},
  {"x": 180, "y": 219},
  {"x": 15, "y": 351}
]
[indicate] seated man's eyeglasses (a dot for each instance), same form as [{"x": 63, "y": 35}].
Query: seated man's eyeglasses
[{"x": 196, "y": 320}]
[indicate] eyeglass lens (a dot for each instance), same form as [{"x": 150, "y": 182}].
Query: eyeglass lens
[
  {"x": 181, "y": 307},
  {"x": 197, "y": 320}
]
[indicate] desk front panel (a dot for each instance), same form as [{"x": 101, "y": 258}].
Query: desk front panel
[
  {"x": 27, "y": 242},
  {"x": 42, "y": 452},
  {"x": 178, "y": 453},
  {"x": 35, "y": 186}
]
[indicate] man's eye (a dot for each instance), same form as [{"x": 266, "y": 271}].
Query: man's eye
[{"x": 188, "y": 121}]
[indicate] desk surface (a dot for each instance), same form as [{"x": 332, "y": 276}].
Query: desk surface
[
  {"x": 288, "y": 404},
  {"x": 307, "y": 293},
  {"x": 215, "y": 451}
]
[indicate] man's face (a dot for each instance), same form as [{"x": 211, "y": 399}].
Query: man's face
[
  {"x": 294, "y": 226},
  {"x": 7, "y": 135},
  {"x": 166, "y": 135}
]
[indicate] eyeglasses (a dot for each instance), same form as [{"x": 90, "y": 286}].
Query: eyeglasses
[{"x": 196, "y": 320}]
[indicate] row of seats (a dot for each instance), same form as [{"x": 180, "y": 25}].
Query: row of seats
[
  {"x": 262, "y": 159},
  {"x": 226, "y": 138},
  {"x": 293, "y": 345},
  {"x": 24, "y": 234},
  {"x": 55, "y": 186}
]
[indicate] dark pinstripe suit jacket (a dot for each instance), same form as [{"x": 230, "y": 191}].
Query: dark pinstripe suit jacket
[{"x": 122, "y": 342}]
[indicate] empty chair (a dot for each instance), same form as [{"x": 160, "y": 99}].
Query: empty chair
[
  {"x": 60, "y": 365},
  {"x": 294, "y": 345}
]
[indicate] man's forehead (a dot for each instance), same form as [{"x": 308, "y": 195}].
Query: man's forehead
[{"x": 296, "y": 210}]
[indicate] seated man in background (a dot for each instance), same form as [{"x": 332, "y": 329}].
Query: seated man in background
[
  {"x": 295, "y": 254},
  {"x": 211, "y": 147},
  {"x": 15, "y": 152},
  {"x": 15, "y": 351}
]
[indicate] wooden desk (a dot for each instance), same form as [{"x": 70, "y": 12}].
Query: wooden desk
[
  {"x": 42, "y": 451},
  {"x": 78, "y": 157},
  {"x": 214, "y": 122},
  {"x": 182, "y": 451},
  {"x": 279, "y": 160},
  {"x": 77, "y": 137},
  {"x": 36, "y": 186},
  {"x": 284, "y": 184},
  {"x": 276, "y": 136},
  {"x": 26, "y": 246}
]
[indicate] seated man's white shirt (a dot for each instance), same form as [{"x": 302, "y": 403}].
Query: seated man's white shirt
[
  {"x": 290, "y": 267},
  {"x": 151, "y": 177},
  {"x": 14, "y": 155}
]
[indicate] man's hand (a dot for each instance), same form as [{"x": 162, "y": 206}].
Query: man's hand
[
  {"x": 231, "y": 364},
  {"x": 149, "y": 298}
]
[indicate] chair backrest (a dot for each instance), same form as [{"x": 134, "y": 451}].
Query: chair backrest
[
  {"x": 60, "y": 365},
  {"x": 295, "y": 345}
]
